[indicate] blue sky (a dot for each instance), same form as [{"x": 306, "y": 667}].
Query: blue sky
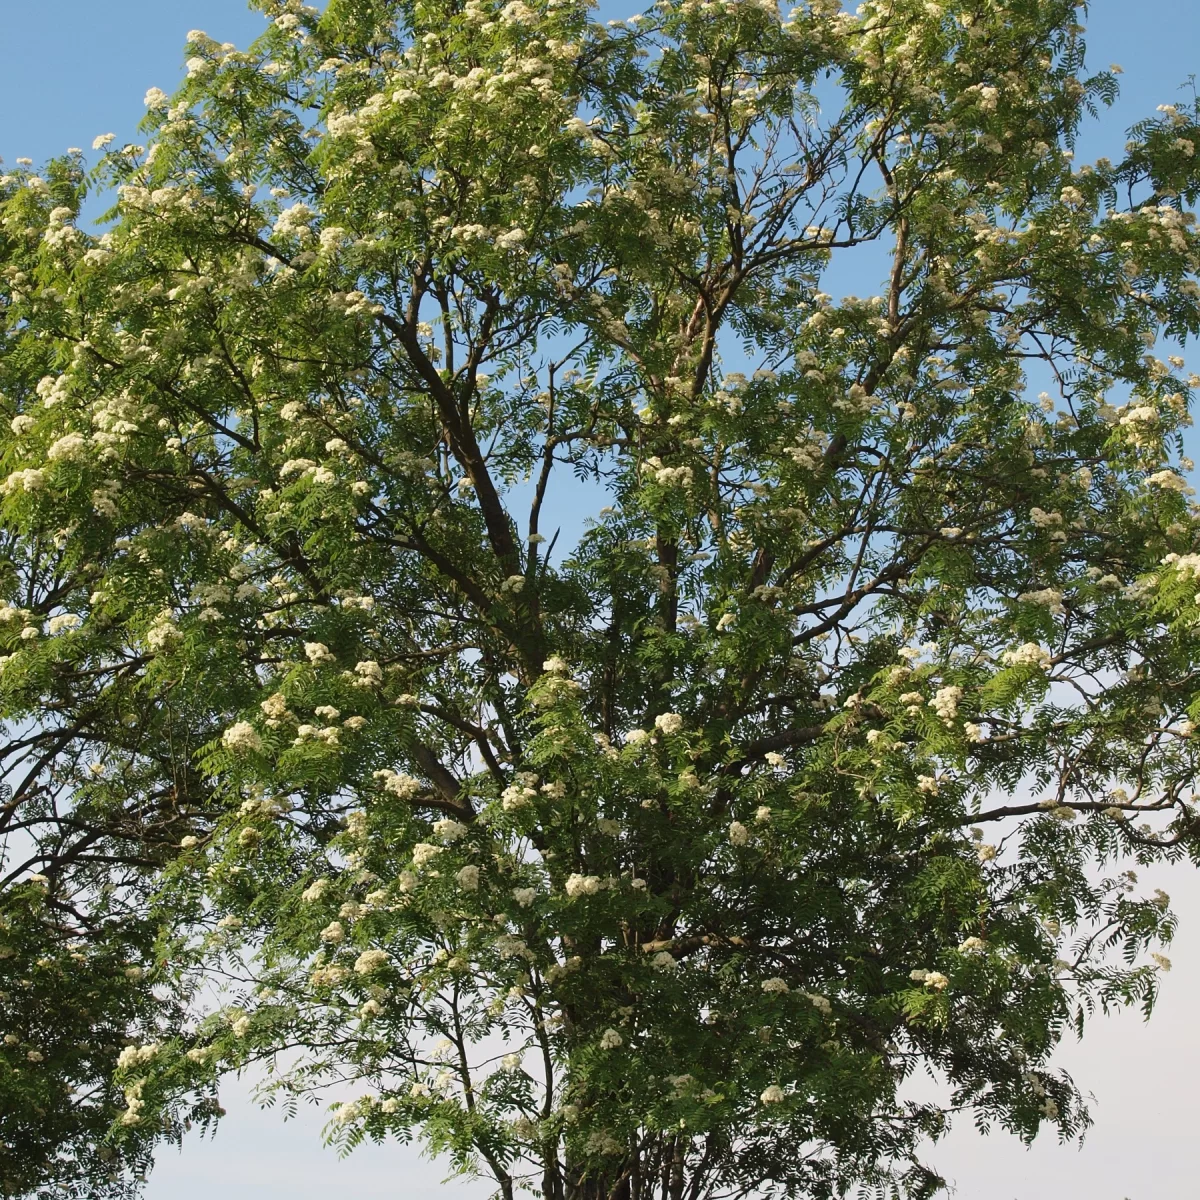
[{"x": 72, "y": 69}]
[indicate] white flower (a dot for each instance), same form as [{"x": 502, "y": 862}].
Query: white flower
[
  {"x": 28, "y": 480},
  {"x": 315, "y": 891},
  {"x": 404, "y": 787},
  {"x": 1168, "y": 481},
  {"x": 449, "y": 830},
  {"x": 524, "y": 896},
  {"x": 774, "y": 985},
  {"x": 424, "y": 852},
  {"x": 775, "y": 759},
  {"x": 510, "y": 240},
  {"x": 611, "y": 1039},
  {"x": 945, "y": 702},
  {"x": 1029, "y": 654},
  {"x": 937, "y": 981},
  {"x": 555, "y": 665},
  {"x": 1045, "y": 520},
  {"x": 468, "y": 878},
  {"x": 241, "y": 736},
  {"x": 516, "y": 796},
  {"x": 509, "y": 946},
  {"x": 1049, "y": 598},
  {"x": 63, "y": 621},
  {"x": 133, "y": 1056},
  {"x": 582, "y": 885},
  {"x": 156, "y": 98},
  {"x": 70, "y": 445},
  {"x": 369, "y": 672},
  {"x": 371, "y": 960},
  {"x": 510, "y": 1063},
  {"x": 739, "y": 835},
  {"x": 102, "y": 141},
  {"x": 820, "y": 1003},
  {"x": 664, "y": 961},
  {"x": 772, "y": 1095},
  {"x": 333, "y": 932},
  {"x": 317, "y": 653},
  {"x": 668, "y": 723}
]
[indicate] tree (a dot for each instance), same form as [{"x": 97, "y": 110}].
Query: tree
[{"x": 656, "y": 856}]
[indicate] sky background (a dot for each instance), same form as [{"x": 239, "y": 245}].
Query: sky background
[{"x": 72, "y": 69}]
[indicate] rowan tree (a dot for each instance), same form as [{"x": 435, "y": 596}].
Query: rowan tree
[{"x": 488, "y": 633}]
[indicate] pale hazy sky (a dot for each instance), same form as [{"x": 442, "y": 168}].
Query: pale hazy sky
[{"x": 72, "y": 69}]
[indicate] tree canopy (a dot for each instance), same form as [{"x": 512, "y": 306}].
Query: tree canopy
[{"x": 487, "y": 637}]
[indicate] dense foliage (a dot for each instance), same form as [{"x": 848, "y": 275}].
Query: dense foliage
[{"x": 484, "y": 632}]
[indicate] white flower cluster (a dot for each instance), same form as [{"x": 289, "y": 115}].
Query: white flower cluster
[
  {"x": 668, "y": 723},
  {"x": 294, "y": 222},
  {"x": 1169, "y": 481},
  {"x": 667, "y": 476},
  {"x": 403, "y": 787},
  {"x": 241, "y": 737},
  {"x": 1030, "y": 654},
  {"x": 1045, "y": 520},
  {"x": 318, "y": 653},
  {"x": 134, "y": 1056},
  {"x": 810, "y": 453},
  {"x": 1185, "y": 564},
  {"x": 448, "y": 830},
  {"x": 934, "y": 980},
  {"x": 857, "y": 401},
  {"x": 1050, "y": 598},
  {"x": 424, "y": 853},
  {"x": 315, "y": 891},
  {"x": 30, "y": 479},
  {"x": 63, "y": 622},
  {"x": 367, "y": 674},
  {"x": 275, "y": 709},
  {"x": 370, "y": 961},
  {"x": 582, "y": 885},
  {"x": 522, "y": 791},
  {"x": 945, "y": 702}
]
